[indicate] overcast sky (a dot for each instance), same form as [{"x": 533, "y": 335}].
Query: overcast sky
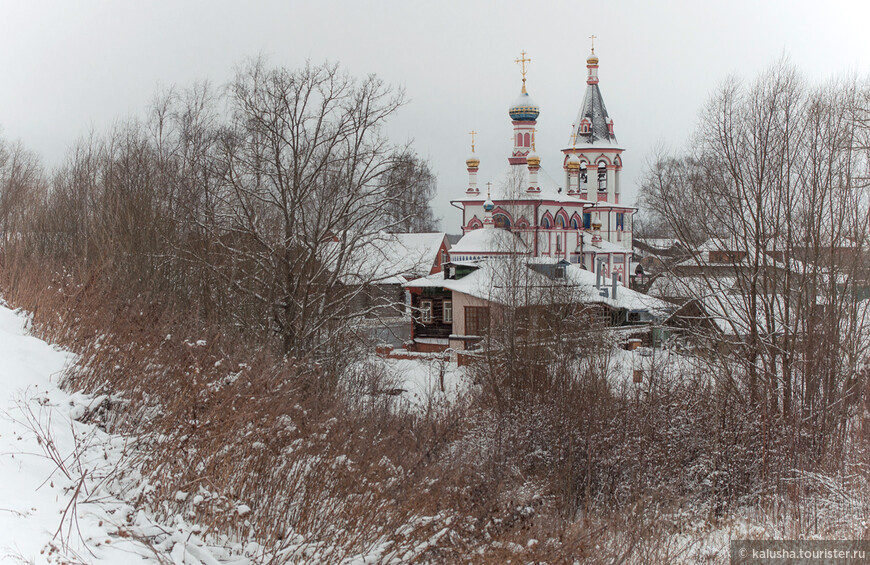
[{"x": 68, "y": 67}]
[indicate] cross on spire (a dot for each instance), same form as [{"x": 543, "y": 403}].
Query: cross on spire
[
  {"x": 489, "y": 184},
  {"x": 472, "y": 133},
  {"x": 523, "y": 60},
  {"x": 592, "y": 37}
]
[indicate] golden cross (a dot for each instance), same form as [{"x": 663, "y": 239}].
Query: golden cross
[
  {"x": 533, "y": 140},
  {"x": 487, "y": 188},
  {"x": 574, "y": 139},
  {"x": 592, "y": 37},
  {"x": 472, "y": 132},
  {"x": 523, "y": 60}
]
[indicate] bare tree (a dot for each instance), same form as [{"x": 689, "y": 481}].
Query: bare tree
[
  {"x": 773, "y": 178},
  {"x": 410, "y": 186},
  {"x": 301, "y": 168}
]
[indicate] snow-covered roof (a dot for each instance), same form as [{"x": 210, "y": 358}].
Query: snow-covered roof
[
  {"x": 489, "y": 240},
  {"x": 602, "y": 246},
  {"x": 661, "y": 243},
  {"x": 595, "y": 112},
  {"x": 498, "y": 280},
  {"x": 394, "y": 258}
]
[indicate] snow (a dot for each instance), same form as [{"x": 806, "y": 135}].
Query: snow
[
  {"x": 56, "y": 505},
  {"x": 488, "y": 240},
  {"x": 393, "y": 258},
  {"x": 492, "y": 282}
]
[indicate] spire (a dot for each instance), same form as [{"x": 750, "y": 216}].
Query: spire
[
  {"x": 472, "y": 163},
  {"x": 593, "y": 125},
  {"x": 488, "y": 207},
  {"x": 524, "y": 114}
]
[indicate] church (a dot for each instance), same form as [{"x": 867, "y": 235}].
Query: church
[
  {"x": 535, "y": 238},
  {"x": 574, "y": 215}
]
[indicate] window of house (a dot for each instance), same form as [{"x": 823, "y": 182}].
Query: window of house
[
  {"x": 444, "y": 257},
  {"x": 426, "y": 311},
  {"x": 476, "y": 320},
  {"x": 448, "y": 311}
]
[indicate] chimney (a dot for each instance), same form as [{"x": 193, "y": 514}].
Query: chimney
[{"x": 613, "y": 284}]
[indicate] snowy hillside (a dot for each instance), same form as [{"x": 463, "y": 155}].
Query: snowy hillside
[{"x": 54, "y": 507}]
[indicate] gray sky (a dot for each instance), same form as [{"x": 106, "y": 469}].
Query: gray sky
[{"x": 68, "y": 67}]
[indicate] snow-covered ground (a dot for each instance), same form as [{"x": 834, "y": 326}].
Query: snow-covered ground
[
  {"x": 55, "y": 504},
  {"x": 64, "y": 482}
]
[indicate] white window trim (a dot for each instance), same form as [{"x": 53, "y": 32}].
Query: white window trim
[
  {"x": 448, "y": 307},
  {"x": 426, "y": 311}
]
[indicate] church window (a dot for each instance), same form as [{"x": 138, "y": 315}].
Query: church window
[
  {"x": 526, "y": 141},
  {"x": 620, "y": 220},
  {"x": 560, "y": 222},
  {"x": 448, "y": 311},
  {"x": 574, "y": 224},
  {"x": 583, "y": 173},
  {"x": 602, "y": 177},
  {"x": 476, "y": 320},
  {"x": 426, "y": 311},
  {"x": 558, "y": 244},
  {"x": 545, "y": 223},
  {"x": 519, "y": 140},
  {"x": 587, "y": 220},
  {"x": 501, "y": 221}
]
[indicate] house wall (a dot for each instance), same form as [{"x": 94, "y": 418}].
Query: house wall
[{"x": 460, "y": 301}]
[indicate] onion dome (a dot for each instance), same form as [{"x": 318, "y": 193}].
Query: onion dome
[
  {"x": 472, "y": 161},
  {"x": 489, "y": 206},
  {"x": 573, "y": 163},
  {"x": 592, "y": 59},
  {"x": 524, "y": 108},
  {"x": 533, "y": 160}
]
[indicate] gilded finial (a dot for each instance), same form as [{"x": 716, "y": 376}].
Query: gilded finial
[
  {"x": 574, "y": 139},
  {"x": 472, "y": 133},
  {"x": 592, "y": 37},
  {"x": 523, "y": 60},
  {"x": 489, "y": 184}
]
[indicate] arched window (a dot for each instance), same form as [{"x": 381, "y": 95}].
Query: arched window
[
  {"x": 545, "y": 223},
  {"x": 574, "y": 224},
  {"x": 501, "y": 221},
  {"x": 602, "y": 176},
  {"x": 519, "y": 140},
  {"x": 582, "y": 173},
  {"x": 526, "y": 141},
  {"x": 560, "y": 222}
]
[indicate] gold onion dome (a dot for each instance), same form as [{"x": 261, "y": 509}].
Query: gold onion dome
[
  {"x": 533, "y": 160},
  {"x": 593, "y": 59},
  {"x": 472, "y": 161},
  {"x": 573, "y": 163}
]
